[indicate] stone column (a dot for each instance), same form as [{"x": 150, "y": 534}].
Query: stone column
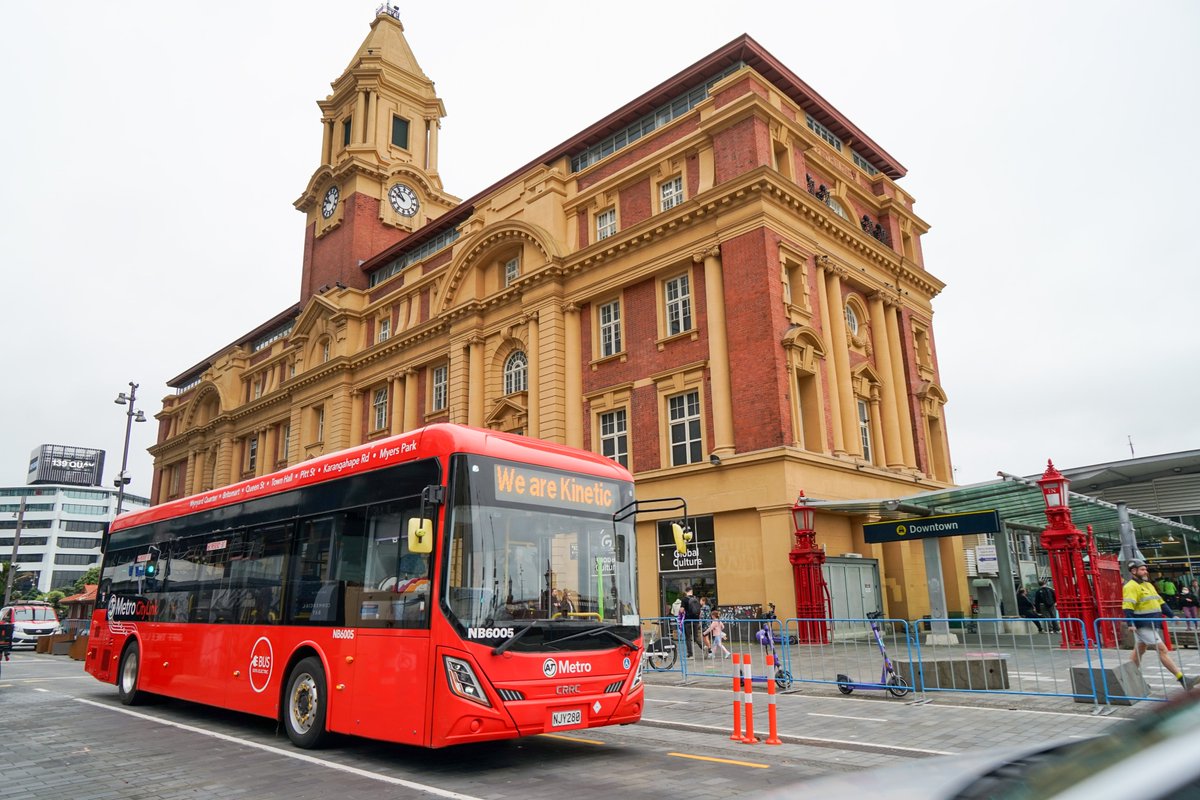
[
  {"x": 535, "y": 373},
  {"x": 841, "y": 355},
  {"x": 887, "y": 387},
  {"x": 396, "y": 423},
  {"x": 431, "y": 156},
  {"x": 236, "y": 458},
  {"x": 371, "y": 116},
  {"x": 475, "y": 382},
  {"x": 573, "y": 376},
  {"x": 356, "y": 415},
  {"x": 831, "y": 372},
  {"x": 327, "y": 141},
  {"x": 410, "y": 400},
  {"x": 268, "y": 449},
  {"x": 197, "y": 471},
  {"x": 907, "y": 443},
  {"x": 718, "y": 351},
  {"x": 357, "y": 119},
  {"x": 877, "y": 439}
]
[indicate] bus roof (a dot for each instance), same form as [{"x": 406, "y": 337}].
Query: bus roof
[{"x": 420, "y": 443}]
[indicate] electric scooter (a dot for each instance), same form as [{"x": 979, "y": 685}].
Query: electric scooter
[{"x": 888, "y": 678}]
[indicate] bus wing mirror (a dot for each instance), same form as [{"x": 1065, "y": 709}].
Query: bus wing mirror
[
  {"x": 682, "y": 537},
  {"x": 420, "y": 535},
  {"x": 621, "y": 544}
]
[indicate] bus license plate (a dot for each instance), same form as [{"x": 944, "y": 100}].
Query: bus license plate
[{"x": 562, "y": 719}]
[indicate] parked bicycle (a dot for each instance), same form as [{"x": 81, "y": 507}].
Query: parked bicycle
[{"x": 661, "y": 650}]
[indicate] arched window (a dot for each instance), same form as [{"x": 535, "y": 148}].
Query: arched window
[
  {"x": 516, "y": 372},
  {"x": 851, "y": 320}
]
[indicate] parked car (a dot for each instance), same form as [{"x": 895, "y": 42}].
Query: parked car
[{"x": 30, "y": 620}]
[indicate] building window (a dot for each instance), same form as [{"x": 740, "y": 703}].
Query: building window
[
  {"x": 516, "y": 372},
  {"x": 319, "y": 422},
  {"x": 324, "y": 351},
  {"x": 73, "y": 542},
  {"x": 670, "y": 192},
  {"x": 512, "y": 270},
  {"x": 851, "y": 321},
  {"x": 379, "y": 406},
  {"x": 679, "y": 305},
  {"x": 823, "y": 132},
  {"x": 683, "y": 411},
  {"x": 346, "y": 132},
  {"x": 385, "y": 329},
  {"x": 285, "y": 433},
  {"x": 259, "y": 383},
  {"x": 610, "y": 328},
  {"x": 440, "y": 380},
  {"x": 614, "y": 437},
  {"x": 864, "y": 428},
  {"x": 74, "y": 559},
  {"x": 400, "y": 132},
  {"x": 252, "y": 454},
  {"x": 606, "y": 223}
]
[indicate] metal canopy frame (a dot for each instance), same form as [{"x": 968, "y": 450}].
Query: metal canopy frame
[{"x": 1019, "y": 503}]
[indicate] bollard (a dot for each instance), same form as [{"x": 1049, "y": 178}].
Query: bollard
[
  {"x": 772, "y": 730},
  {"x": 748, "y": 703},
  {"x": 737, "y": 698}
]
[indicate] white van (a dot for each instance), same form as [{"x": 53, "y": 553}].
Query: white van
[{"x": 30, "y": 619}]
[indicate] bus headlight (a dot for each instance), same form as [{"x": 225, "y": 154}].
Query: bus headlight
[{"x": 463, "y": 682}]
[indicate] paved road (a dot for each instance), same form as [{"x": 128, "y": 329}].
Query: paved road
[{"x": 67, "y": 737}]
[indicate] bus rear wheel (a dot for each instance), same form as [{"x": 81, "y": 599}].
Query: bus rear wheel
[
  {"x": 305, "y": 704},
  {"x": 127, "y": 676}
]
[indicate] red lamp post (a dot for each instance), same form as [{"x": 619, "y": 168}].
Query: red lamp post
[
  {"x": 806, "y": 560},
  {"x": 1066, "y": 546}
]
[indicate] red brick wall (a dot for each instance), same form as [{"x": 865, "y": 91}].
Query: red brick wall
[
  {"x": 735, "y": 90},
  {"x": 755, "y": 324},
  {"x": 741, "y": 147},
  {"x": 635, "y": 204},
  {"x": 336, "y": 255}
]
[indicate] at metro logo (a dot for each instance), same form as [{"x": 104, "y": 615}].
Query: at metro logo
[{"x": 552, "y": 667}]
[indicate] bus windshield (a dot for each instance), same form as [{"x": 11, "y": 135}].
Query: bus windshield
[{"x": 532, "y": 546}]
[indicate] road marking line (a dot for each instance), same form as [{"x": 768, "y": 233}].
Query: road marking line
[
  {"x": 570, "y": 738},
  {"x": 843, "y": 716},
  {"x": 807, "y": 740},
  {"x": 362, "y": 773},
  {"x": 672, "y": 702},
  {"x": 722, "y": 760},
  {"x": 40, "y": 689}
]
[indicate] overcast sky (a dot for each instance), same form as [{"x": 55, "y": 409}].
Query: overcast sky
[{"x": 153, "y": 152}]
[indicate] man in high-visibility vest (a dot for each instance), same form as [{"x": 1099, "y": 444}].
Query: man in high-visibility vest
[{"x": 1144, "y": 609}]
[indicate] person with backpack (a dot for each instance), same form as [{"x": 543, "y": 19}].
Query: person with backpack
[
  {"x": 691, "y": 621},
  {"x": 1044, "y": 601}
]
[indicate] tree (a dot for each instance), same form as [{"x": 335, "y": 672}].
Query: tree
[{"x": 92, "y": 576}]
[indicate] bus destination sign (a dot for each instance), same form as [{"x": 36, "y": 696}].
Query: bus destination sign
[{"x": 521, "y": 484}]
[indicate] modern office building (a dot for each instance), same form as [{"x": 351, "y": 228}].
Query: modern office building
[
  {"x": 719, "y": 284},
  {"x": 61, "y": 514}
]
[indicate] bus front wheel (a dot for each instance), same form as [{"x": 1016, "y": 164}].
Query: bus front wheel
[
  {"x": 127, "y": 676},
  {"x": 305, "y": 704}
]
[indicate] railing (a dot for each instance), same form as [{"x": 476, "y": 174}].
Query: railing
[{"x": 980, "y": 656}]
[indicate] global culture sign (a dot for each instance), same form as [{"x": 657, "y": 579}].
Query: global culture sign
[{"x": 701, "y": 550}]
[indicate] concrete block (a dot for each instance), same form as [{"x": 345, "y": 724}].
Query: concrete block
[
  {"x": 959, "y": 673},
  {"x": 1020, "y": 627},
  {"x": 1124, "y": 679}
]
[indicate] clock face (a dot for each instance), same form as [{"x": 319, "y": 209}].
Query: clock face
[
  {"x": 329, "y": 204},
  {"x": 404, "y": 200}
]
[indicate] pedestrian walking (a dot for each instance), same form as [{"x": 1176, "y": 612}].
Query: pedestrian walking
[
  {"x": 1144, "y": 609},
  {"x": 1189, "y": 607},
  {"x": 1045, "y": 602},
  {"x": 1025, "y": 608},
  {"x": 705, "y": 615},
  {"x": 716, "y": 629},
  {"x": 691, "y": 621}
]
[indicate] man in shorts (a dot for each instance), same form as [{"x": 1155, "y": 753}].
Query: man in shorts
[{"x": 1144, "y": 608}]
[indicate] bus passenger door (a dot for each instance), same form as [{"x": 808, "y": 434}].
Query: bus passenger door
[{"x": 390, "y": 613}]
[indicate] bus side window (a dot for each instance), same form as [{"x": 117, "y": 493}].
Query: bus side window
[
  {"x": 257, "y": 575},
  {"x": 396, "y": 594},
  {"x": 314, "y": 595}
]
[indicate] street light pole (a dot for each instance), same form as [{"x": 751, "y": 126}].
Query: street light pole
[{"x": 131, "y": 416}]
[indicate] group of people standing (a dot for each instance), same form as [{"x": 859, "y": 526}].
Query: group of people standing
[
  {"x": 702, "y": 626},
  {"x": 1182, "y": 595}
]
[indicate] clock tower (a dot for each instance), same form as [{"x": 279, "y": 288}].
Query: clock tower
[{"x": 378, "y": 179}]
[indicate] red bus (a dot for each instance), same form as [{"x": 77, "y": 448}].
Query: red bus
[{"x": 443, "y": 586}]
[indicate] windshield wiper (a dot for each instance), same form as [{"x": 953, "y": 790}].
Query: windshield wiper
[
  {"x": 606, "y": 629},
  {"x": 500, "y": 648}
]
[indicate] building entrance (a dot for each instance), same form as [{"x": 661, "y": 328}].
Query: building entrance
[{"x": 853, "y": 586}]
